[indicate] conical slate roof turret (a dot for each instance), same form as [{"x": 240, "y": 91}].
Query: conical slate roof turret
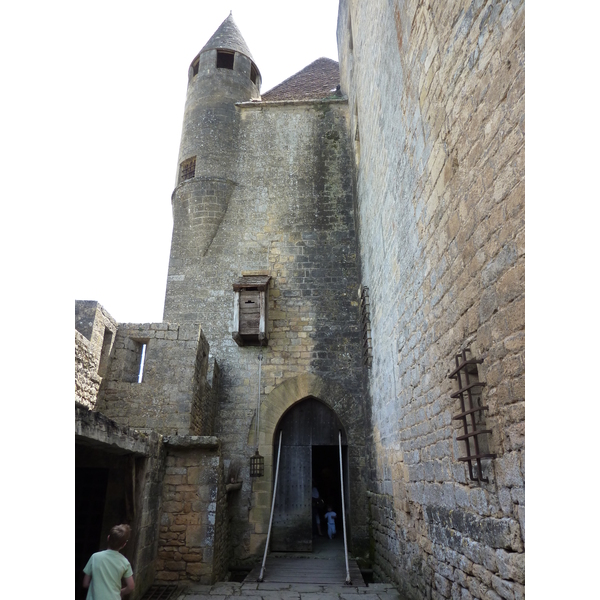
[{"x": 228, "y": 37}]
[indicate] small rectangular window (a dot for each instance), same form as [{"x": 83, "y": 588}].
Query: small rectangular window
[
  {"x": 224, "y": 60},
  {"x": 132, "y": 367},
  {"x": 250, "y": 306},
  {"x": 195, "y": 67},
  {"x": 142, "y": 361},
  {"x": 187, "y": 169},
  {"x": 253, "y": 73}
]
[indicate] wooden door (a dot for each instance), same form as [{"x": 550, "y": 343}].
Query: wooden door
[
  {"x": 292, "y": 526},
  {"x": 309, "y": 423}
]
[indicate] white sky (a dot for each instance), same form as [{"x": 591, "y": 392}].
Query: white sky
[{"x": 108, "y": 82}]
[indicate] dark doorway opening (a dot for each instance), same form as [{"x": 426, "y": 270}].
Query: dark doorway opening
[
  {"x": 327, "y": 479},
  {"x": 90, "y": 499}
]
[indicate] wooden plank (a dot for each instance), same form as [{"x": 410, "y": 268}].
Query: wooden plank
[
  {"x": 307, "y": 570},
  {"x": 249, "y": 312},
  {"x": 292, "y": 530},
  {"x": 236, "y": 311}
]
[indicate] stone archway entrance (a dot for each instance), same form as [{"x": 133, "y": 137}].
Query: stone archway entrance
[{"x": 309, "y": 456}]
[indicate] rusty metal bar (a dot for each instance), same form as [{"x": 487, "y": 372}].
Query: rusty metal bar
[
  {"x": 464, "y": 437},
  {"x": 473, "y": 423},
  {"x": 471, "y": 361},
  {"x": 262, "y": 569},
  {"x": 348, "y": 578},
  {"x": 468, "y": 412},
  {"x": 467, "y": 387},
  {"x": 476, "y": 457}
]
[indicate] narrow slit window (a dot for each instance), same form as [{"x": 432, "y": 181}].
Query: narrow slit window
[
  {"x": 253, "y": 74},
  {"x": 356, "y": 136},
  {"x": 105, "y": 352},
  {"x": 187, "y": 169},
  {"x": 142, "y": 361},
  {"x": 350, "y": 41},
  {"x": 195, "y": 66},
  {"x": 224, "y": 60}
]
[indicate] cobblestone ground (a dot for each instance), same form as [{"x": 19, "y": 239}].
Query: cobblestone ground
[{"x": 293, "y": 591}]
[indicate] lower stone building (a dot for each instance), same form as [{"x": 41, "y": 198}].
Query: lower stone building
[{"x": 347, "y": 277}]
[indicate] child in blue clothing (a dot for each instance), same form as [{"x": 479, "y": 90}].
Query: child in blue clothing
[
  {"x": 330, "y": 518},
  {"x": 105, "y": 570}
]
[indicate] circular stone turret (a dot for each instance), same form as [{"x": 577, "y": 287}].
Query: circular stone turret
[{"x": 222, "y": 74}]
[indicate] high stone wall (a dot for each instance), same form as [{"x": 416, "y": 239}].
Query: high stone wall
[{"x": 436, "y": 105}]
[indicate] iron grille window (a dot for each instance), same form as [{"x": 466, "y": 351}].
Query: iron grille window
[
  {"x": 224, "y": 60},
  {"x": 188, "y": 169},
  {"x": 471, "y": 409},
  {"x": 365, "y": 320}
]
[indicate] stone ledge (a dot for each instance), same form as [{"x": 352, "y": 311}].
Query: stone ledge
[
  {"x": 192, "y": 441},
  {"x": 273, "y": 103},
  {"x": 92, "y": 428}
]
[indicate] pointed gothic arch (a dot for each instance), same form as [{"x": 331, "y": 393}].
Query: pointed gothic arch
[{"x": 273, "y": 407}]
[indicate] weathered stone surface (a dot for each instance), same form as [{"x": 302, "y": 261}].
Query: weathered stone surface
[{"x": 435, "y": 93}]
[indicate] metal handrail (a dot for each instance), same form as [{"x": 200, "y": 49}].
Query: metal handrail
[
  {"x": 262, "y": 569},
  {"x": 348, "y": 579}
]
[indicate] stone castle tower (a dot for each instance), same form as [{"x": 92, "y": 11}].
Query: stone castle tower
[
  {"x": 222, "y": 74},
  {"x": 257, "y": 211},
  {"x": 347, "y": 263}
]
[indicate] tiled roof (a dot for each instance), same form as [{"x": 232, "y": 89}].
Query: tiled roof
[
  {"x": 228, "y": 37},
  {"x": 317, "y": 80}
]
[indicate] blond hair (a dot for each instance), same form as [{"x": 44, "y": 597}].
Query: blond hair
[{"x": 118, "y": 536}]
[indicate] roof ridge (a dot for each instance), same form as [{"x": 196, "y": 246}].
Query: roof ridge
[{"x": 303, "y": 79}]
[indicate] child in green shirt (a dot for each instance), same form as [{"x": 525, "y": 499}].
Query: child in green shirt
[{"x": 105, "y": 570}]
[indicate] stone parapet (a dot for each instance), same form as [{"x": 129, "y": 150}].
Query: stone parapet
[{"x": 173, "y": 396}]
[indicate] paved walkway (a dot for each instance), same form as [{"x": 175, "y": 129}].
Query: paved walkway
[
  {"x": 323, "y": 559},
  {"x": 290, "y": 591},
  {"x": 324, "y": 551}
]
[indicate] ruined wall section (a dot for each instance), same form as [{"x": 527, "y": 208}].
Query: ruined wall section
[
  {"x": 149, "y": 479},
  {"x": 193, "y": 543},
  {"x": 95, "y": 332},
  {"x": 173, "y": 396},
  {"x": 289, "y": 216},
  {"x": 436, "y": 104},
  {"x": 87, "y": 380}
]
